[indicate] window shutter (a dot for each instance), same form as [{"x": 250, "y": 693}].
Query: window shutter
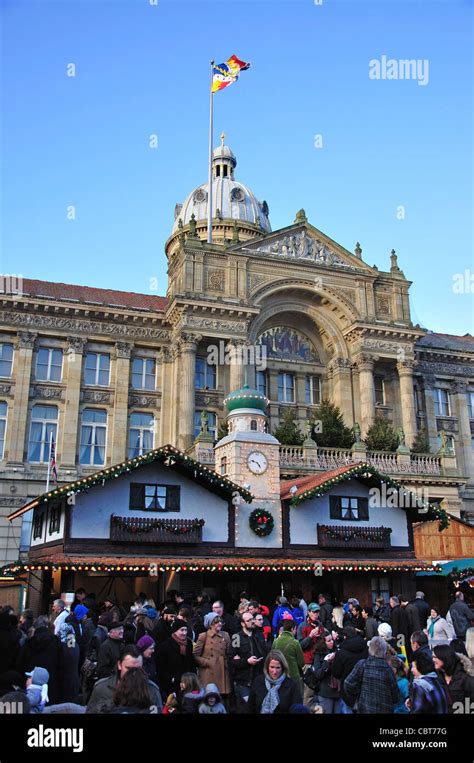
[
  {"x": 363, "y": 508},
  {"x": 137, "y": 496},
  {"x": 173, "y": 497},
  {"x": 334, "y": 507}
]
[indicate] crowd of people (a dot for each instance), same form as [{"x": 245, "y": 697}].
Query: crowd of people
[{"x": 194, "y": 656}]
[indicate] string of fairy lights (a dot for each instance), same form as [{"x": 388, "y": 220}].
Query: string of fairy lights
[{"x": 305, "y": 566}]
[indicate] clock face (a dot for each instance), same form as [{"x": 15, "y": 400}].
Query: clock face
[{"x": 257, "y": 462}]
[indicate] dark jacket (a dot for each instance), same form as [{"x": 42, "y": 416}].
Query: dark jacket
[
  {"x": 424, "y": 610},
  {"x": 329, "y": 686},
  {"x": 161, "y": 631},
  {"x": 325, "y": 615},
  {"x": 371, "y": 628},
  {"x": 243, "y": 673},
  {"x": 462, "y": 616},
  {"x": 461, "y": 686},
  {"x": 383, "y": 614},
  {"x": 289, "y": 694},
  {"x": 400, "y": 623},
  {"x": 171, "y": 664},
  {"x": 413, "y": 618},
  {"x": 231, "y": 624},
  {"x": 373, "y": 686},
  {"x": 348, "y": 655},
  {"x": 101, "y": 699},
  {"x": 9, "y": 643},
  {"x": 109, "y": 654},
  {"x": 43, "y": 650}
]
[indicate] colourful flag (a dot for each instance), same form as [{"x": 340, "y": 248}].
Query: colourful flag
[
  {"x": 52, "y": 462},
  {"x": 225, "y": 74}
]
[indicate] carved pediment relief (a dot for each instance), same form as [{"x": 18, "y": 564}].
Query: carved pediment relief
[{"x": 304, "y": 245}]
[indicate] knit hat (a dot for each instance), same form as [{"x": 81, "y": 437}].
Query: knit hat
[
  {"x": 145, "y": 642},
  {"x": 80, "y": 611},
  {"x": 115, "y": 626},
  {"x": 313, "y": 607},
  {"x": 39, "y": 676},
  {"x": 209, "y": 619},
  {"x": 384, "y": 630},
  {"x": 177, "y": 624}
]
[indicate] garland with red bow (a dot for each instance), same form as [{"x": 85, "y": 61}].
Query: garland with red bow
[{"x": 261, "y": 522}]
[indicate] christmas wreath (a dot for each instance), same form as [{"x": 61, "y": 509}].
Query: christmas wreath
[{"x": 261, "y": 522}]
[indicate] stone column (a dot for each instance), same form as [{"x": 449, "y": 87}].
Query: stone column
[
  {"x": 464, "y": 447},
  {"x": 16, "y": 429},
  {"x": 339, "y": 370},
  {"x": 188, "y": 344},
  {"x": 236, "y": 366},
  {"x": 122, "y": 382},
  {"x": 431, "y": 427},
  {"x": 73, "y": 374},
  {"x": 407, "y": 399},
  {"x": 166, "y": 432},
  {"x": 365, "y": 365}
]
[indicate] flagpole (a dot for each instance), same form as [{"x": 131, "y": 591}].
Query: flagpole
[
  {"x": 49, "y": 460},
  {"x": 209, "y": 199}
]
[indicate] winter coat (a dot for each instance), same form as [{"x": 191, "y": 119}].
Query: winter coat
[
  {"x": 413, "y": 618},
  {"x": 371, "y": 628},
  {"x": 461, "y": 685},
  {"x": 307, "y": 642},
  {"x": 443, "y": 632},
  {"x": 383, "y": 614},
  {"x": 9, "y": 643},
  {"x": 278, "y": 617},
  {"x": 329, "y": 686},
  {"x": 43, "y": 650},
  {"x": 372, "y": 686},
  {"x": 161, "y": 631},
  {"x": 171, "y": 664},
  {"x": 325, "y": 615},
  {"x": 403, "y": 687},
  {"x": 399, "y": 621},
  {"x": 347, "y": 656},
  {"x": 218, "y": 708},
  {"x": 246, "y": 646},
  {"x": 109, "y": 654},
  {"x": 424, "y": 610},
  {"x": 298, "y": 615},
  {"x": 428, "y": 696},
  {"x": 101, "y": 699},
  {"x": 461, "y": 616},
  {"x": 189, "y": 702},
  {"x": 231, "y": 624},
  {"x": 289, "y": 694},
  {"x": 290, "y": 647},
  {"x": 149, "y": 666},
  {"x": 211, "y": 653},
  {"x": 69, "y": 672}
]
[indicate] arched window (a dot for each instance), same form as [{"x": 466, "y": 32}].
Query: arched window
[{"x": 253, "y": 425}]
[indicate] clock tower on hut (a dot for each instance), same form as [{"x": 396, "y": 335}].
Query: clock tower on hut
[{"x": 249, "y": 456}]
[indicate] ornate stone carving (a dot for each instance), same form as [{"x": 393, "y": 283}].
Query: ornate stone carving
[
  {"x": 364, "y": 362},
  {"x": 216, "y": 279},
  {"x": 76, "y": 325},
  {"x": 47, "y": 393},
  {"x": 95, "y": 396},
  {"x": 446, "y": 424},
  {"x": 233, "y": 327},
  {"x": 383, "y": 306},
  {"x": 339, "y": 366},
  {"x": 165, "y": 355},
  {"x": 12, "y": 501},
  {"x": 26, "y": 339},
  {"x": 257, "y": 279},
  {"x": 459, "y": 387},
  {"x": 123, "y": 349},
  {"x": 406, "y": 366},
  {"x": 444, "y": 369},
  {"x": 207, "y": 399},
  {"x": 142, "y": 401},
  {"x": 6, "y": 389},
  {"x": 76, "y": 345},
  {"x": 303, "y": 246},
  {"x": 383, "y": 345}
]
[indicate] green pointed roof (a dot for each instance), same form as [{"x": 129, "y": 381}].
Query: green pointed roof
[{"x": 246, "y": 397}]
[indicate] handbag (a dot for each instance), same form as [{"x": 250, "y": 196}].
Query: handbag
[
  {"x": 88, "y": 667},
  {"x": 310, "y": 680}
]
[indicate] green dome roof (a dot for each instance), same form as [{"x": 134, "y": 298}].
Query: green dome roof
[{"x": 246, "y": 398}]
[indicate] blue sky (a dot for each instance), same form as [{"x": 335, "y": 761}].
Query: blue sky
[{"x": 143, "y": 69}]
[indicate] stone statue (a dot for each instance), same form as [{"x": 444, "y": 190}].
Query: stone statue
[
  {"x": 394, "y": 262},
  {"x": 401, "y": 436},
  {"x": 444, "y": 442},
  {"x": 357, "y": 432},
  {"x": 192, "y": 226},
  {"x": 204, "y": 422}
]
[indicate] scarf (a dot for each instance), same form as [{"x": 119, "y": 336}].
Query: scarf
[
  {"x": 431, "y": 627},
  {"x": 272, "y": 699}
]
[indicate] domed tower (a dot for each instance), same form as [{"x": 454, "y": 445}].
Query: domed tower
[
  {"x": 237, "y": 213},
  {"x": 250, "y": 456}
]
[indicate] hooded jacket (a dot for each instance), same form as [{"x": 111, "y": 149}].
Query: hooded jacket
[
  {"x": 218, "y": 708},
  {"x": 461, "y": 686}
]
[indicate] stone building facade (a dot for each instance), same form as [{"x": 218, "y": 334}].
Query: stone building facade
[{"x": 110, "y": 374}]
